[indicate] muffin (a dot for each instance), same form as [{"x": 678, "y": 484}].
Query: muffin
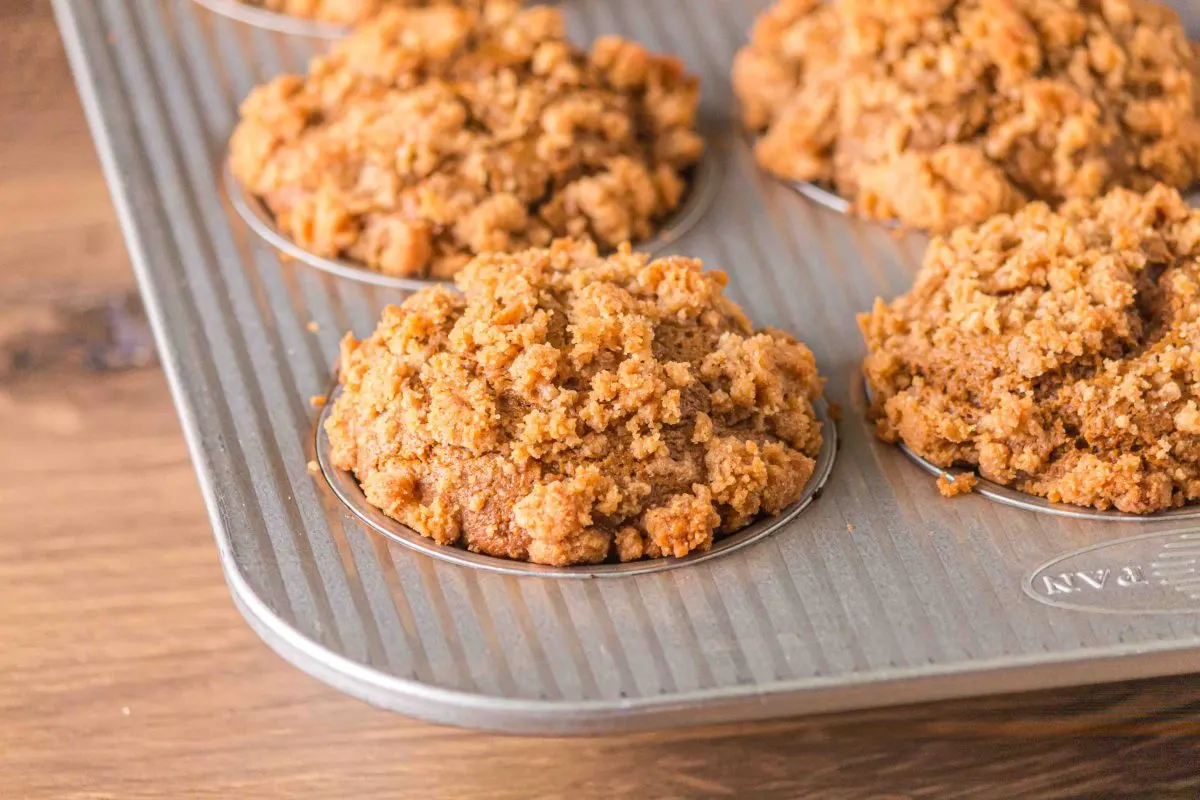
[
  {"x": 939, "y": 113},
  {"x": 571, "y": 408},
  {"x": 347, "y": 12},
  {"x": 435, "y": 134},
  {"x": 1055, "y": 352}
]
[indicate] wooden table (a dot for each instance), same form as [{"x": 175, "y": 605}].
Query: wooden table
[{"x": 125, "y": 671}]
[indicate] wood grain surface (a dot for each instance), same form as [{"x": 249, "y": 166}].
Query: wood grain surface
[{"x": 125, "y": 671}]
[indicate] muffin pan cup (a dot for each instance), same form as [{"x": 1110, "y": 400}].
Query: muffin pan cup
[
  {"x": 278, "y": 22},
  {"x": 835, "y": 202},
  {"x": 817, "y": 193},
  {"x": 883, "y": 592},
  {"x": 822, "y": 196},
  {"x": 705, "y": 177},
  {"x": 258, "y": 218},
  {"x": 275, "y": 21},
  {"x": 346, "y": 487},
  {"x": 1032, "y": 502}
]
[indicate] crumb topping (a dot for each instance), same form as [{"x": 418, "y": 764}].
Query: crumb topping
[
  {"x": 572, "y": 408},
  {"x": 1058, "y": 353},
  {"x": 434, "y": 134},
  {"x": 944, "y": 112}
]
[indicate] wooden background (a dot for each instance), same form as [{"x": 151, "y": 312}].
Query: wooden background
[{"x": 125, "y": 671}]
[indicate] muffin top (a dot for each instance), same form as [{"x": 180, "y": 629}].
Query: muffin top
[
  {"x": 944, "y": 112},
  {"x": 1059, "y": 353},
  {"x": 572, "y": 408},
  {"x": 434, "y": 134},
  {"x": 348, "y": 12}
]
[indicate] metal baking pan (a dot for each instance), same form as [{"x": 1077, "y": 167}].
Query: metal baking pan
[{"x": 881, "y": 592}]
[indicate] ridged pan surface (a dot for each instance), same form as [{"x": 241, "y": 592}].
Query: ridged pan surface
[{"x": 881, "y": 592}]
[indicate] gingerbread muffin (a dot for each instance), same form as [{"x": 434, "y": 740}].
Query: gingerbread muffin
[
  {"x": 939, "y": 113},
  {"x": 435, "y": 134},
  {"x": 347, "y": 12},
  {"x": 1057, "y": 353},
  {"x": 570, "y": 408}
]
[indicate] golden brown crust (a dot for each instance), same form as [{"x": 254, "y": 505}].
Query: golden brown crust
[
  {"x": 944, "y": 112},
  {"x": 787, "y": 81},
  {"x": 572, "y": 408},
  {"x": 435, "y": 134},
  {"x": 1059, "y": 353}
]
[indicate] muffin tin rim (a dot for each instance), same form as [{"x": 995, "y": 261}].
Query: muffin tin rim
[
  {"x": 811, "y": 190},
  {"x": 347, "y": 490},
  {"x": 286, "y": 24},
  {"x": 253, "y": 211},
  {"x": 838, "y": 204},
  {"x": 1031, "y": 502},
  {"x": 276, "y": 21},
  {"x": 833, "y": 201}
]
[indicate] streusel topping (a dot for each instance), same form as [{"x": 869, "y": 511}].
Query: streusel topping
[
  {"x": 1059, "y": 353},
  {"x": 944, "y": 112},
  {"x": 572, "y": 408},
  {"x": 435, "y": 134}
]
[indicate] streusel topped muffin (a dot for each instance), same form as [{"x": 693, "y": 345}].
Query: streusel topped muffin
[
  {"x": 939, "y": 113},
  {"x": 1058, "y": 353},
  {"x": 570, "y": 408},
  {"x": 435, "y": 134}
]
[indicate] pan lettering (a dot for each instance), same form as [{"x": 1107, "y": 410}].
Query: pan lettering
[
  {"x": 1132, "y": 576},
  {"x": 1059, "y": 584},
  {"x": 1093, "y": 580}
]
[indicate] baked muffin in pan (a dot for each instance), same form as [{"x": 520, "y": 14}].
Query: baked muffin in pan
[
  {"x": 435, "y": 134},
  {"x": 571, "y": 408},
  {"x": 938, "y": 113},
  {"x": 1056, "y": 352}
]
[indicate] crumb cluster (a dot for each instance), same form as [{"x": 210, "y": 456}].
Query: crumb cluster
[
  {"x": 1056, "y": 352},
  {"x": 438, "y": 133},
  {"x": 953, "y": 485},
  {"x": 570, "y": 408},
  {"x": 944, "y": 112},
  {"x": 348, "y": 12}
]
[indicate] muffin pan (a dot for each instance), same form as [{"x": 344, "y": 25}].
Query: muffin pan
[
  {"x": 881, "y": 592},
  {"x": 704, "y": 179}
]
